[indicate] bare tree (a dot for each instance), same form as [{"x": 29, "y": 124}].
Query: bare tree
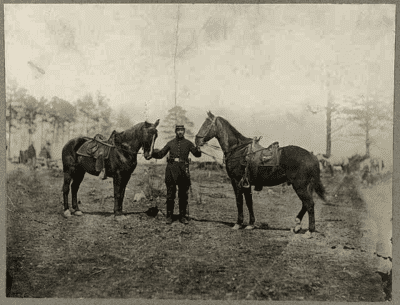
[
  {"x": 60, "y": 113},
  {"x": 104, "y": 114},
  {"x": 14, "y": 101},
  {"x": 87, "y": 108},
  {"x": 176, "y": 115},
  {"x": 330, "y": 79},
  {"x": 178, "y": 16},
  {"x": 31, "y": 110},
  {"x": 122, "y": 121},
  {"x": 368, "y": 114}
]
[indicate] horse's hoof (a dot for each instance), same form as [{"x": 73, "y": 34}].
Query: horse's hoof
[
  {"x": 250, "y": 227},
  {"x": 67, "y": 213},
  {"x": 307, "y": 235},
  {"x": 297, "y": 228},
  {"x": 236, "y": 227},
  {"x": 297, "y": 221},
  {"x": 78, "y": 213}
]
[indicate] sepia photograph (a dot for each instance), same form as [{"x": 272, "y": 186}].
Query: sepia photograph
[{"x": 176, "y": 151}]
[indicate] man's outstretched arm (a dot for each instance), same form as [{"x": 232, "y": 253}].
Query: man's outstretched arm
[{"x": 159, "y": 154}]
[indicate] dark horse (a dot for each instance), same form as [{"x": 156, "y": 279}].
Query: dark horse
[
  {"x": 297, "y": 167},
  {"x": 120, "y": 164},
  {"x": 28, "y": 156}
]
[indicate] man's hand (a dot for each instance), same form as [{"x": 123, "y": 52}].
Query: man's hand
[
  {"x": 155, "y": 151},
  {"x": 198, "y": 148}
]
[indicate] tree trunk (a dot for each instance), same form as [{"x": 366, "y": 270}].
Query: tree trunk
[
  {"x": 41, "y": 136},
  {"x": 176, "y": 50},
  {"x": 367, "y": 141},
  {"x": 329, "y": 125},
  {"x": 29, "y": 135},
  {"x": 62, "y": 134},
  {"x": 9, "y": 132},
  {"x": 54, "y": 133}
]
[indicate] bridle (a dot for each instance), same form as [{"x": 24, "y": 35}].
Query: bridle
[
  {"x": 209, "y": 128},
  {"x": 125, "y": 147},
  {"x": 233, "y": 149}
]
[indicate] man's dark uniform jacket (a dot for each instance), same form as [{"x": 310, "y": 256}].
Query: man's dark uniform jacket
[{"x": 176, "y": 172}]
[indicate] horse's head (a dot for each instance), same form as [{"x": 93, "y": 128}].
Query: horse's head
[
  {"x": 207, "y": 130},
  {"x": 149, "y": 138}
]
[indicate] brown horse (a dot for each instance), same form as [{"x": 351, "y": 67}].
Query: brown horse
[
  {"x": 119, "y": 165},
  {"x": 297, "y": 167}
]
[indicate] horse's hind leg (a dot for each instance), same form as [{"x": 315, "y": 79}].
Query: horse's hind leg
[
  {"x": 67, "y": 182},
  {"x": 305, "y": 194},
  {"x": 299, "y": 218},
  {"x": 249, "y": 202},
  {"x": 78, "y": 177}
]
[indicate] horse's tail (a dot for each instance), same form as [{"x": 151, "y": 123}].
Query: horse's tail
[{"x": 318, "y": 187}]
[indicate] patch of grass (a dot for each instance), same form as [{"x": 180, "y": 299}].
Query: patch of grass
[{"x": 23, "y": 184}]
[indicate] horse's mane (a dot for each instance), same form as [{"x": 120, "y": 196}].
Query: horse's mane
[
  {"x": 131, "y": 132},
  {"x": 234, "y": 130}
]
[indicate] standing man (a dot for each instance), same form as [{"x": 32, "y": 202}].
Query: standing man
[{"x": 177, "y": 171}]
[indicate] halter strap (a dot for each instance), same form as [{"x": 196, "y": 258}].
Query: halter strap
[{"x": 209, "y": 127}]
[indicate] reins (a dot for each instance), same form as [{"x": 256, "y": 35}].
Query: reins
[{"x": 232, "y": 150}]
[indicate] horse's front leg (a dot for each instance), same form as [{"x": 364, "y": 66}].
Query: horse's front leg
[
  {"x": 239, "y": 204},
  {"x": 66, "y": 184},
  {"x": 76, "y": 182},
  {"x": 249, "y": 202},
  {"x": 120, "y": 182}
]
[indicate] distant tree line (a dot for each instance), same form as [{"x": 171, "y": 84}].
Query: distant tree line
[{"x": 57, "y": 119}]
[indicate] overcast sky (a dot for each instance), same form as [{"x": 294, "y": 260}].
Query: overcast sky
[{"x": 256, "y": 65}]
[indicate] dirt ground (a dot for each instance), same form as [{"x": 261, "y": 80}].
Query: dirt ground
[{"x": 94, "y": 256}]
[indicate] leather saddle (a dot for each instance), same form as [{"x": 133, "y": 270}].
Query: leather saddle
[
  {"x": 260, "y": 157},
  {"x": 99, "y": 145}
]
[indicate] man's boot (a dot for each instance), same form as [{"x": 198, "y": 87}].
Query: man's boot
[
  {"x": 170, "y": 211},
  {"x": 182, "y": 212}
]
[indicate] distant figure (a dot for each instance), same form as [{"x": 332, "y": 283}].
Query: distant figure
[
  {"x": 45, "y": 153},
  {"x": 31, "y": 156},
  {"x": 177, "y": 171}
]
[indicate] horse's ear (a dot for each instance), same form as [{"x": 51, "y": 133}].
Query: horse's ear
[
  {"x": 147, "y": 124},
  {"x": 156, "y": 123},
  {"x": 210, "y": 115}
]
